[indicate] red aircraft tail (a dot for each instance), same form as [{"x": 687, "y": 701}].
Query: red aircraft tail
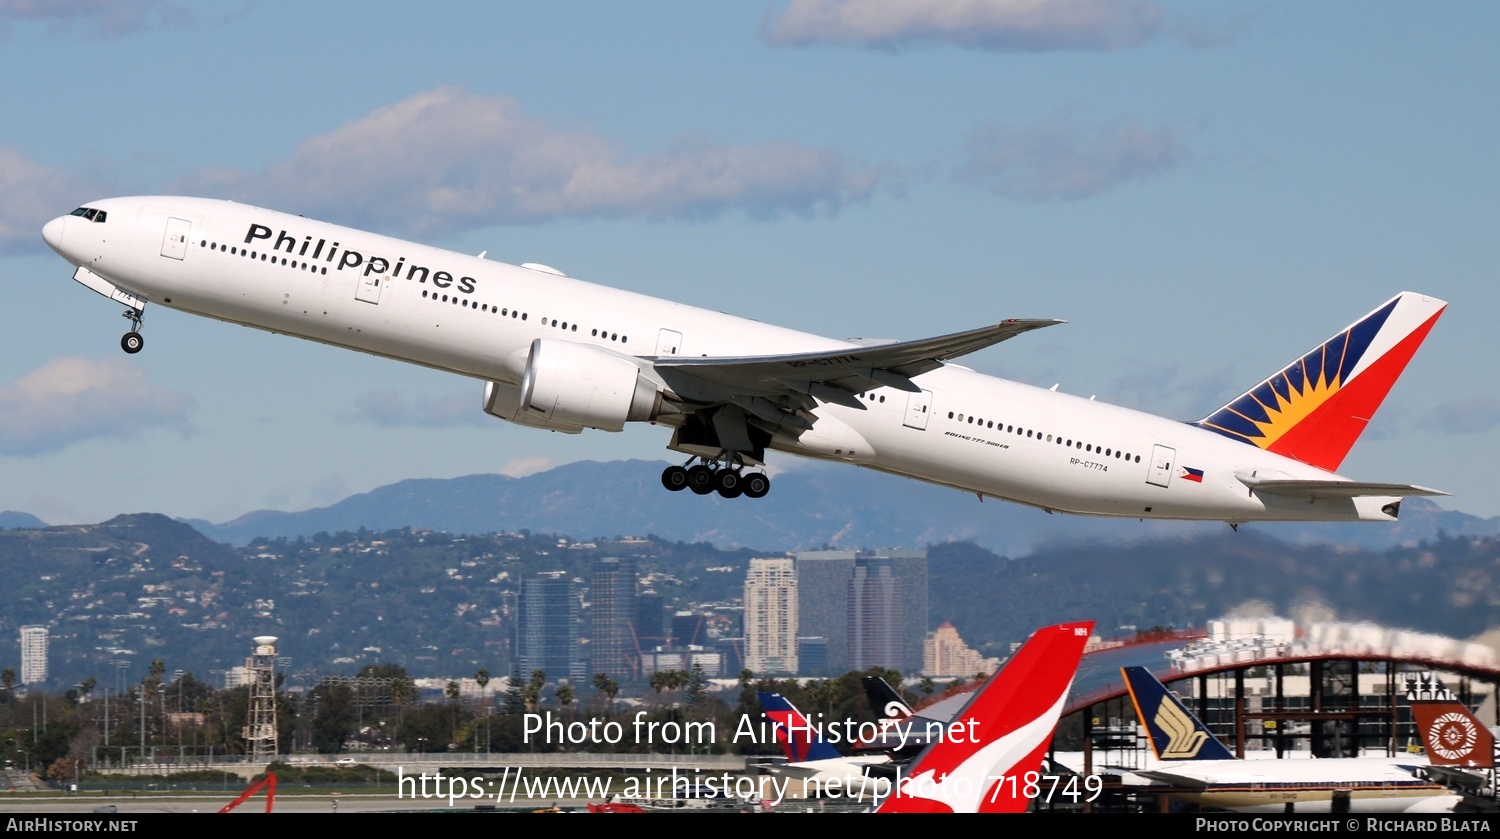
[
  {"x": 1451, "y": 733},
  {"x": 1000, "y": 735}
]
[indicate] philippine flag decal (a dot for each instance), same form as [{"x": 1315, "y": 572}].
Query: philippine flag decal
[{"x": 1191, "y": 474}]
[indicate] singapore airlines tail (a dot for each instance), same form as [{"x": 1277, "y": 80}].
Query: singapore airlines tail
[
  {"x": 1316, "y": 407},
  {"x": 1176, "y": 734},
  {"x": 1006, "y": 729}
]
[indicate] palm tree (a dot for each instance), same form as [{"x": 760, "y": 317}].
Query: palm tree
[
  {"x": 607, "y": 686},
  {"x": 533, "y": 690},
  {"x": 482, "y": 678},
  {"x": 452, "y": 692},
  {"x": 747, "y": 690},
  {"x": 564, "y": 696},
  {"x": 8, "y": 677}
]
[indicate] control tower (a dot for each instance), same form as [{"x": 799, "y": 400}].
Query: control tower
[{"x": 260, "y": 728}]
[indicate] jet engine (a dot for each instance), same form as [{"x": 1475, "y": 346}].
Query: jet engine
[{"x": 568, "y": 386}]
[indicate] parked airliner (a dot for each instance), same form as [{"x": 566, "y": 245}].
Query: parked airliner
[
  {"x": 1195, "y": 766},
  {"x": 565, "y": 355}
]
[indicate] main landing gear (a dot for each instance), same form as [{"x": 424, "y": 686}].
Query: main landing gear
[
  {"x": 728, "y": 478},
  {"x": 132, "y": 342}
]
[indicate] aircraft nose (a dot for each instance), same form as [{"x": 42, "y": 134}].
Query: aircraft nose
[{"x": 52, "y": 233}]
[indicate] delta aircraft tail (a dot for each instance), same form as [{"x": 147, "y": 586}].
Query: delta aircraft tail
[
  {"x": 1315, "y": 408},
  {"x": 799, "y": 739},
  {"x": 1451, "y": 733},
  {"x": 1176, "y": 734},
  {"x": 1007, "y": 725}
]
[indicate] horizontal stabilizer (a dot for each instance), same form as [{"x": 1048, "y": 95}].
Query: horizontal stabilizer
[
  {"x": 1334, "y": 489},
  {"x": 1174, "y": 780}
]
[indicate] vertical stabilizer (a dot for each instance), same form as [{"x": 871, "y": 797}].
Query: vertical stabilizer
[
  {"x": 800, "y": 740},
  {"x": 884, "y": 700},
  {"x": 1316, "y": 407},
  {"x": 1007, "y": 727},
  {"x": 1176, "y": 734},
  {"x": 1451, "y": 733}
]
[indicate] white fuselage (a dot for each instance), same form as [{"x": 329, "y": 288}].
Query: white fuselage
[
  {"x": 477, "y": 318},
  {"x": 1353, "y": 785}
]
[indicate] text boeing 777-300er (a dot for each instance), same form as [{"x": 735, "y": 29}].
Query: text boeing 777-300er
[{"x": 562, "y": 354}]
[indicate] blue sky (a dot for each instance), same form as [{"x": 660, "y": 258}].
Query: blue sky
[{"x": 1201, "y": 191}]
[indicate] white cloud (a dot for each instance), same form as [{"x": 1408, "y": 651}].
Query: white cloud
[
  {"x": 68, "y": 400},
  {"x": 448, "y": 159},
  {"x": 30, "y": 194},
  {"x": 95, "y": 18},
  {"x": 522, "y": 467},
  {"x": 1060, "y": 159},
  {"x": 995, "y": 25},
  {"x": 392, "y": 409}
]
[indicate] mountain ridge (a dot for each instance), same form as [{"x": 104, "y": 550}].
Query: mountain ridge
[{"x": 808, "y": 508}]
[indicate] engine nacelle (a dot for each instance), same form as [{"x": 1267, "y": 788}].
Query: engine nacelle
[
  {"x": 568, "y": 387},
  {"x": 504, "y": 401}
]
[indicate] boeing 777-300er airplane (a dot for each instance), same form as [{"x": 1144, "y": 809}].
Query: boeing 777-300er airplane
[{"x": 558, "y": 353}]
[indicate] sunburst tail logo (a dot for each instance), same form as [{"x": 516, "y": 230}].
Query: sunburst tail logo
[{"x": 1314, "y": 409}]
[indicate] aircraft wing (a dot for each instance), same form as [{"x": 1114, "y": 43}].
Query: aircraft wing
[
  {"x": 829, "y": 375},
  {"x": 1333, "y": 489}
]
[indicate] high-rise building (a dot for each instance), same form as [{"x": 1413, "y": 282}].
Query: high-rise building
[
  {"x": 33, "y": 655},
  {"x": 870, "y": 606},
  {"x": 547, "y": 627},
  {"x": 812, "y": 656},
  {"x": 651, "y": 628},
  {"x": 875, "y": 616},
  {"x": 613, "y": 605},
  {"x": 946, "y": 654},
  {"x": 823, "y": 602},
  {"x": 771, "y": 616}
]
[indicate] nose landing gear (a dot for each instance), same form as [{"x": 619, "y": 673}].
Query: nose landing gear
[
  {"x": 132, "y": 342},
  {"x": 728, "y": 478}
]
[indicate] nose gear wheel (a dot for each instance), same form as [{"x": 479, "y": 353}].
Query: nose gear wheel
[{"x": 132, "y": 342}]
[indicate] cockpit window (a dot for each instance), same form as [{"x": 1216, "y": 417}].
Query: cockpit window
[
  {"x": 80, "y": 211},
  {"x": 90, "y": 213}
]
